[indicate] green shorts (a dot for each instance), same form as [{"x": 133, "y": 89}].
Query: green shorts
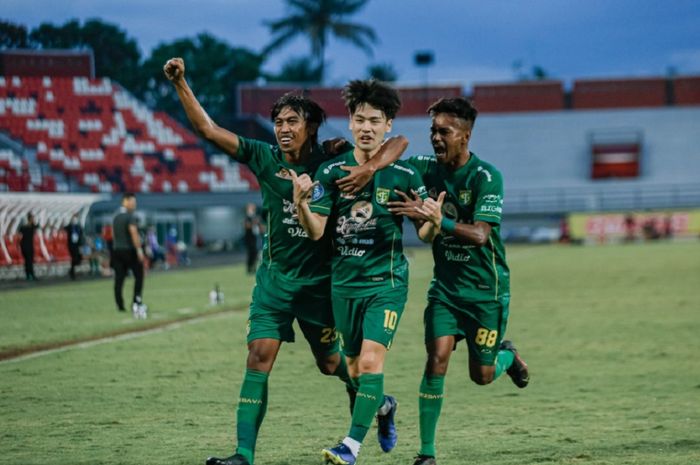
[
  {"x": 482, "y": 324},
  {"x": 277, "y": 302},
  {"x": 375, "y": 318}
]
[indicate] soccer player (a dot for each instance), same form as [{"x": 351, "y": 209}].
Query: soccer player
[
  {"x": 469, "y": 295},
  {"x": 370, "y": 272},
  {"x": 294, "y": 278}
]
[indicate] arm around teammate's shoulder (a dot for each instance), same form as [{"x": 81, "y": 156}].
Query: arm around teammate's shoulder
[{"x": 202, "y": 124}]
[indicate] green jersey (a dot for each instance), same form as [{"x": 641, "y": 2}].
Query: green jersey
[
  {"x": 474, "y": 192},
  {"x": 287, "y": 248},
  {"x": 367, "y": 246}
]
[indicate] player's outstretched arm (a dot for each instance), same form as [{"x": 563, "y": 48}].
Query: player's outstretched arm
[
  {"x": 313, "y": 223},
  {"x": 359, "y": 176},
  {"x": 227, "y": 141}
]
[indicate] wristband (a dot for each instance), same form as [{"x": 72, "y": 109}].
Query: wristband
[{"x": 448, "y": 225}]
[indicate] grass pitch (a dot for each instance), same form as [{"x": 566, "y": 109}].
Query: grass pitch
[{"x": 610, "y": 334}]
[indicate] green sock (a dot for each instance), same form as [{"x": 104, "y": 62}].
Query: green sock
[
  {"x": 252, "y": 405},
  {"x": 370, "y": 395},
  {"x": 351, "y": 388},
  {"x": 430, "y": 398},
  {"x": 504, "y": 360}
]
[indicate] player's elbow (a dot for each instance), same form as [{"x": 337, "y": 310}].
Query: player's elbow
[
  {"x": 205, "y": 130},
  {"x": 315, "y": 235}
]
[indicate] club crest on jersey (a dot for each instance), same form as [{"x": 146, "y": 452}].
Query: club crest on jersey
[
  {"x": 465, "y": 197},
  {"x": 317, "y": 192},
  {"x": 381, "y": 195}
]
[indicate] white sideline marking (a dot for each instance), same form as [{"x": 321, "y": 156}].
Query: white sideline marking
[{"x": 121, "y": 337}]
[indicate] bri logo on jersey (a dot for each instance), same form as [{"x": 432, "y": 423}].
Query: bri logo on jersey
[{"x": 317, "y": 192}]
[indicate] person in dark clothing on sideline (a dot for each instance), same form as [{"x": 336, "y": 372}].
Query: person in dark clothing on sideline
[
  {"x": 128, "y": 255},
  {"x": 252, "y": 229},
  {"x": 74, "y": 233},
  {"x": 26, "y": 244}
]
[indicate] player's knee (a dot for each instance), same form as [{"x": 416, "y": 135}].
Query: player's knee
[
  {"x": 437, "y": 364},
  {"x": 328, "y": 365},
  {"x": 260, "y": 359},
  {"x": 370, "y": 364},
  {"x": 482, "y": 378}
]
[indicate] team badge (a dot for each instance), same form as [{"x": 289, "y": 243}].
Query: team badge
[
  {"x": 317, "y": 192},
  {"x": 465, "y": 197},
  {"x": 382, "y": 195}
]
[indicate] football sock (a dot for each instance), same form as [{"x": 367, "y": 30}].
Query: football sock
[
  {"x": 503, "y": 361},
  {"x": 252, "y": 405},
  {"x": 370, "y": 395},
  {"x": 430, "y": 396},
  {"x": 353, "y": 445},
  {"x": 385, "y": 407},
  {"x": 352, "y": 392}
]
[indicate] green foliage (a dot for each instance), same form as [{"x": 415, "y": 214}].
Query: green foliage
[
  {"x": 317, "y": 20},
  {"x": 213, "y": 69},
  {"x": 382, "y": 72},
  {"x": 13, "y": 35},
  {"x": 609, "y": 332},
  {"x": 116, "y": 55},
  {"x": 298, "y": 70}
]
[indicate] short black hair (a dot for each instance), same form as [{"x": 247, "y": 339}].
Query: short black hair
[
  {"x": 128, "y": 195},
  {"x": 378, "y": 94},
  {"x": 457, "y": 106},
  {"x": 307, "y": 108}
]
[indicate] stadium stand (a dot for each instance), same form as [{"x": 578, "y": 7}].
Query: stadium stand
[{"x": 92, "y": 135}]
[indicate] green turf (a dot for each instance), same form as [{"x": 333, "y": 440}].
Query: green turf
[
  {"x": 82, "y": 309},
  {"x": 610, "y": 333}
]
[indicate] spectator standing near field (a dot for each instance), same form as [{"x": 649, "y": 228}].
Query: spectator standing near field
[
  {"x": 75, "y": 240},
  {"x": 128, "y": 256},
  {"x": 251, "y": 233},
  {"x": 28, "y": 230}
]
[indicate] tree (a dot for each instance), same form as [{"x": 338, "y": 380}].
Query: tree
[
  {"x": 13, "y": 35},
  {"x": 298, "y": 70},
  {"x": 318, "y": 19},
  {"x": 382, "y": 72},
  {"x": 212, "y": 67},
  {"x": 116, "y": 55}
]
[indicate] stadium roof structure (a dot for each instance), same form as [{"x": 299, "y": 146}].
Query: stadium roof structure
[{"x": 51, "y": 211}]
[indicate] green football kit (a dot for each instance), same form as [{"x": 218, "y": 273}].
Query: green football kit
[
  {"x": 293, "y": 280},
  {"x": 470, "y": 291},
  {"x": 370, "y": 271}
]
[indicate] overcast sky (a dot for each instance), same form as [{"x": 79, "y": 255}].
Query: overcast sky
[{"x": 472, "y": 40}]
